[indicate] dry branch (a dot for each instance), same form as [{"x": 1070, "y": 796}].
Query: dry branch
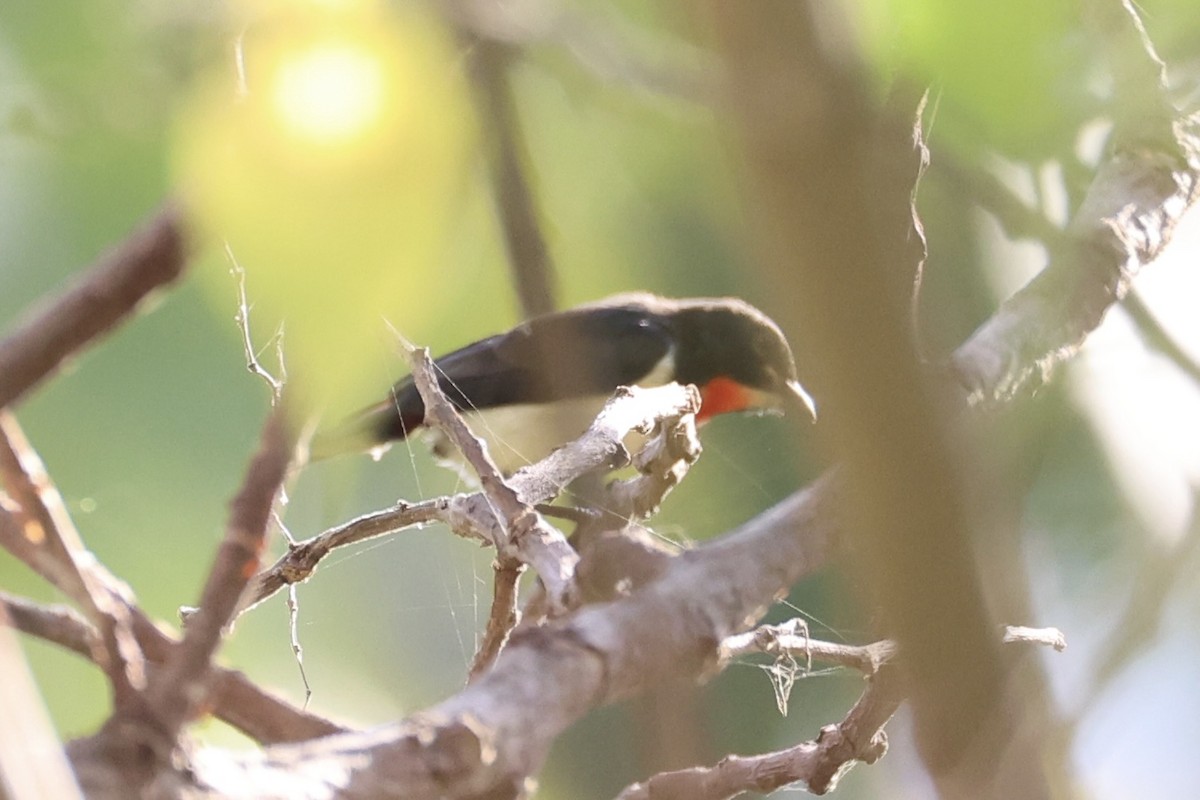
[
  {"x": 834, "y": 185},
  {"x": 817, "y": 764},
  {"x": 600, "y": 447},
  {"x": 661, "y": 465},
  {"x": 154, "y": 256},
  {"x": 503, "y": 617},
  {"x": 179, "y": 689},
  {"x": 234, "y": 699},
  {"x": 497, "y": 731},
  {"x": 301, "y": 559},
  {"x": 49, "y": 542},
  {"x": 489, "y": 739},
  {"x": 1140, "y": 192},
  {"x": 786, "y": 639},
  {"x": 513, "y": 527}
]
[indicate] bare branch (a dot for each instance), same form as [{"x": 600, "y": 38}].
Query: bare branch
[
  {"x": 499, "y": 729},
  {"x": 503, "y": 618},
  {"x": 301, "y": 559},
  {"x": 62, "y": 625},
  {"x": 788, "y": 638},
  {"x": 817, "y": 764},
  {"x": 177, "y": 691},
  {"x": 96, "y": 302},
  {"x": 616, "y": 562},
  {"x": 49, "y": 537},
  {"x": 293, "y": 609},
  {"x": 529, "y": 259},
  {"x": 1126, "y": 220},
  {"x": 633, "y": 409},
  {"x": 1051, "y": 637},
  {"x": 784, "y": 639},
  {"x": 527, "y": 537},
  {"x": 24, "y": 537},
  {"x": 235, "y": 699},
  {"x": 243, "y": 320},
  {"x": 662, "y": 464}
]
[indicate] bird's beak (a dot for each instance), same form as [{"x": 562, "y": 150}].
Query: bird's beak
[{"x": 795, "y": 398}]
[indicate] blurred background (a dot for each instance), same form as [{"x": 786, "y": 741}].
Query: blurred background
[{"x": 331, "y": 148}]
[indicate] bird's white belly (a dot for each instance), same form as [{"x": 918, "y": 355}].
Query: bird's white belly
[
  {"x": 522, "y": 434},
  {"x": 519, "y": 435}
]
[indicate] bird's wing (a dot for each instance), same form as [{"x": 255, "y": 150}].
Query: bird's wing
[{"x": 569, "y": 354}]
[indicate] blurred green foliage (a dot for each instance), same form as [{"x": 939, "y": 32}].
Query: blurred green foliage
[
  {"x": 107, "y": 109},
  {"x": 1007, "y": 76},
  {"x": 329, "y": 157}
]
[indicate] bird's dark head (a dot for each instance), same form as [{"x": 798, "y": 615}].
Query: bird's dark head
[{"x": 737, "y": 356}]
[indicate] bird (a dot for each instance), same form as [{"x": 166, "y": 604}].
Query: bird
[{"x": 539, "y": 385}]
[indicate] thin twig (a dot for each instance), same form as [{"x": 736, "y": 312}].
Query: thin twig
[
  {"x": 60, "y": 624},
  {"x": 783, "y": 639},
  {"x": 243, "y": 320},
  {"x": 301, "y": 559},
  {"x": 503, "y": 617},
  {"x": 276, "y": 385},
  {"x": 980, "y": 186},
  {"x": 820, "y": 763},
  {"x": 99, "y": 299},
  {"x": 293, "y": 609}
]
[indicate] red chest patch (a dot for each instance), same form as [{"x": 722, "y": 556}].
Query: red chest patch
[{"x": 722, "y": 396}]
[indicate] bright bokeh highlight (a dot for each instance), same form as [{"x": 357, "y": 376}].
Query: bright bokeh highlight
[
  {"x": 330, "y": 155},
  {"x": 331, "y": 94}
]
